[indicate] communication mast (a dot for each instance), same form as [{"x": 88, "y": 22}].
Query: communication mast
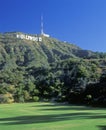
[
  {"x": 42, "y": 28},
  {"x": 42, "y": 25}
]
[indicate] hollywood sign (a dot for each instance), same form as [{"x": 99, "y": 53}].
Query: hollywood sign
[{"x": 27, "y": 37}]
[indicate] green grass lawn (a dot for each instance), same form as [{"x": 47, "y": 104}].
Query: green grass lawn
[{"x": 50, "y": 116}]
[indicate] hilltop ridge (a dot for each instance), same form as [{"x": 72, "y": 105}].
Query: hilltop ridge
[{"x": 23, "y": 49}]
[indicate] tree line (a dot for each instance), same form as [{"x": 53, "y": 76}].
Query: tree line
[{"x": 78, "y": 81}]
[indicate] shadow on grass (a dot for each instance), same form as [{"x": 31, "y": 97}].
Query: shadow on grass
[
  {"x": 59, "y": 106},
  {"x": 67, "y": 108},
  {"x": 49, "y": 118},
  {"x": 102, "y": 127}
]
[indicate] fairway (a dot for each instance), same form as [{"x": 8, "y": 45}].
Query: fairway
[{"x": 51, "y": 116}]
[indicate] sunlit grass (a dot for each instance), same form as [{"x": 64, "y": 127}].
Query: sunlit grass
[{"x": 50, "y": 116}]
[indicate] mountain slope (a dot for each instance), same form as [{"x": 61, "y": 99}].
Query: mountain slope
[
  {"x": 22, "y": 52},
  {"x": 34, "y": 67}
]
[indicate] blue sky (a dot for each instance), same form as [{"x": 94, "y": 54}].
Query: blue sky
[{"x": 81, "y": 22}]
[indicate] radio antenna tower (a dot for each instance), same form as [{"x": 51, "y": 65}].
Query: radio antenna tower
[
  {"x": 42, "y": 28},
  {"x": 42, "y": 32}
]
